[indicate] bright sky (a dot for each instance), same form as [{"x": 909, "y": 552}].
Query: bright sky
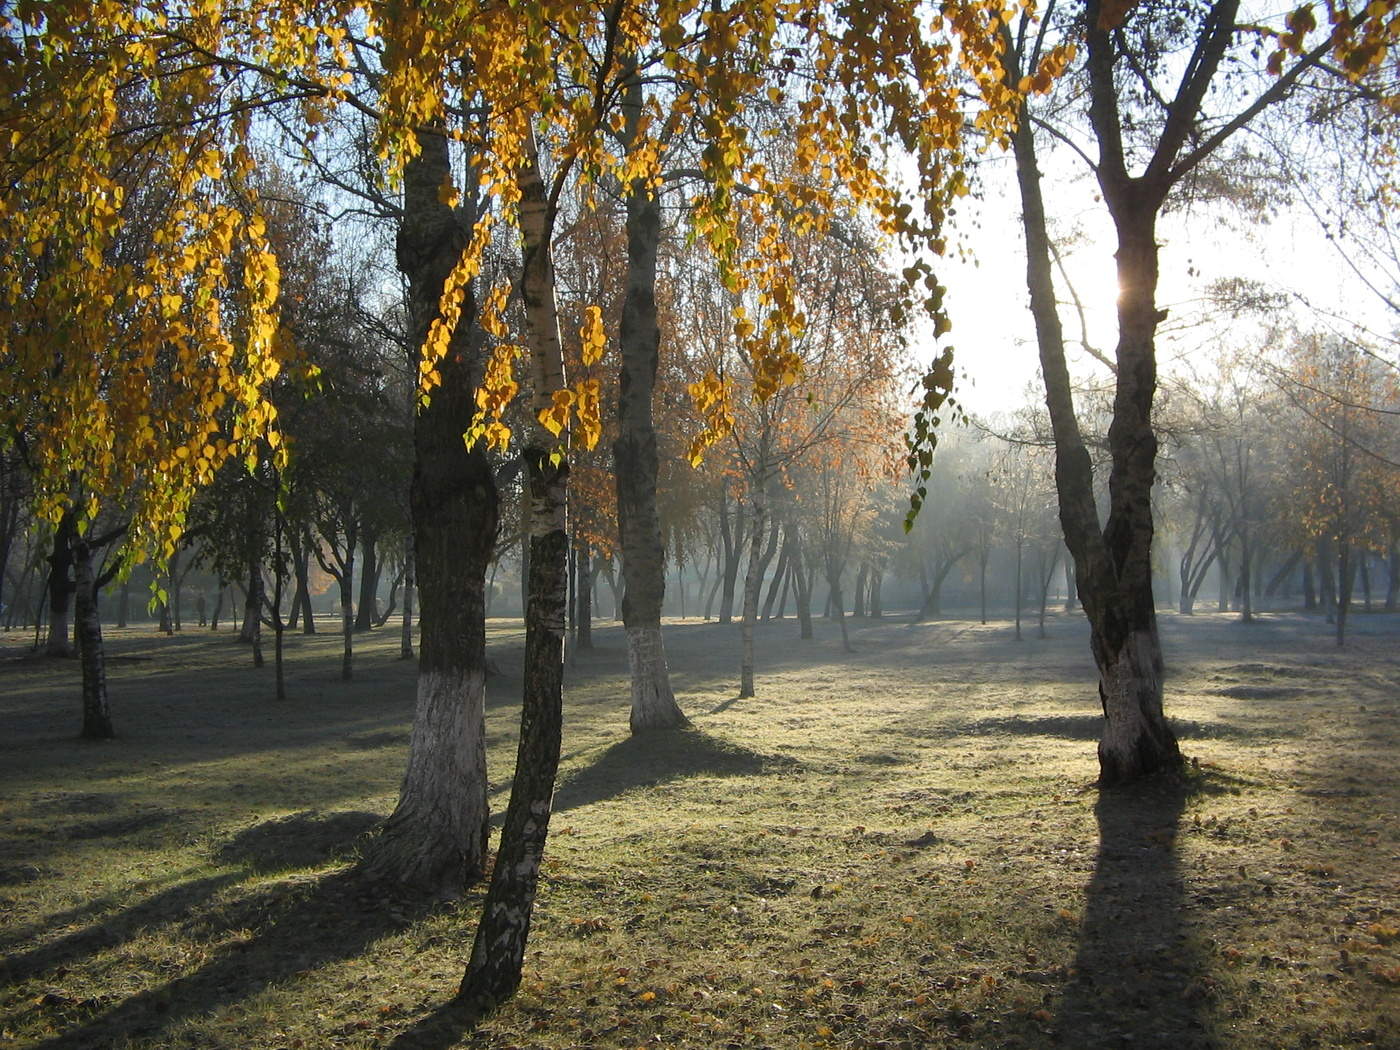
[{"x": 992, "y": 328}]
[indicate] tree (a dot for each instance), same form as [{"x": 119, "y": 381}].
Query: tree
[
  {"x": 635, "y": 451},
  {"x": 435, "y": 840},
  {"x": 1342, "y": 486},
  {"x": 1168, "y": 134}
]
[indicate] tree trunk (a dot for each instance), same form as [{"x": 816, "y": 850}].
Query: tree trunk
[
  {"x": 877, "y": 587},
  {"x": 833, "y": 582},
  {"x": 177, "y": 584},
  {"x": 434, "y": 843},
  {"x": 778, "y": 582},
  {"x": 274, "y": 608},
  {"x": 635, "y": 457},
  {"x": 1345, "y": 575},
  {"x": 1280, "y": 581},
  {"x": 368, "y": 612},
  {"x": 251, "y": 601},
  {"x": 733, "y": 552},
  {"x": 406, "y": 636},
  {"x": 982, "y": 560},
  {"x": 1020, "y": 551},
  {"x": 97, "y": 716},
  {"x": 1046, "y": 575},
  {"x": 1113, "y": 563},
  {"x": 61, "y": 587},
  {"x": 1392, "y": 587},
  {"x": 498, "y": 952},
  {"x": 585, "y": 596},
  {"x": 1327, "y": 579},
  {"x": 802, "y": 584},
  {"x": 571, "y": 615},
  {"x": 124, "y": 603},
  {"x": 346, "y": 580},
  {"x": 218, "y": 606},
  {"x": 858, "y": 604},
  {"x": 1246, "y": 579},
  {"x": 255, "y": 595},
  {"x": 753, "y": 579},
  {"x": 301, "y": 600}
]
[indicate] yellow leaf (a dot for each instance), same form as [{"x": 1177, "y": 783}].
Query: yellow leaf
[{"x": 591, "y": 335}]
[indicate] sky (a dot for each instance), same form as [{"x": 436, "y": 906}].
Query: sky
[{"x": 993, "y": 333}]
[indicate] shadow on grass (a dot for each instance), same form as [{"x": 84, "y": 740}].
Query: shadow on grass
[
  {"x": 439, "y": 1030},
  {"x": 301, "y": 840},
  {"x": 298, "y": 925},
  {"x": 659, "y": 756},
  {"x": 1090, "y": 727},
  {"x": 170, "y": 905},
  {"x": 1137, "y": 978}
]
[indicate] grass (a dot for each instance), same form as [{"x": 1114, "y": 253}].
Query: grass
[{"x": 899, "y": 847}]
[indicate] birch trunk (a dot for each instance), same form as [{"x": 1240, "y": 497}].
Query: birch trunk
[
  {"x": 635, "y": 458},
  {"x": 498, "y": 952}
]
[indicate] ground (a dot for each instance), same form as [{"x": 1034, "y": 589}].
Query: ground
[{"x": 898, "y": 847}]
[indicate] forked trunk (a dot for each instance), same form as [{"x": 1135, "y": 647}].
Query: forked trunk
[
  {"x": 1112, "y": 563},
  {"x": 434, "y": 843},
  {"x": 97, "y": 717}
]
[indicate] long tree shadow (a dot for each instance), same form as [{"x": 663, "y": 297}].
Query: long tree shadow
[
  {"x": 299, "y": 923},
  {"x": 173, "y": 904},
  {"x": 1137, "y": 978},
  {"x": 659, "y": 756}
]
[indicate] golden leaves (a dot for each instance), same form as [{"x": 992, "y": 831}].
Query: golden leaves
[
  {"x": 556, "y": 417},
  {"x": 591, "y": 337},
  {"x": 710, "y": 394},
  {"x": 497, "y": 390}
]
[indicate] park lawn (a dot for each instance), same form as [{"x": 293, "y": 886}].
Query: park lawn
[{"x": 896, "y": 847}]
